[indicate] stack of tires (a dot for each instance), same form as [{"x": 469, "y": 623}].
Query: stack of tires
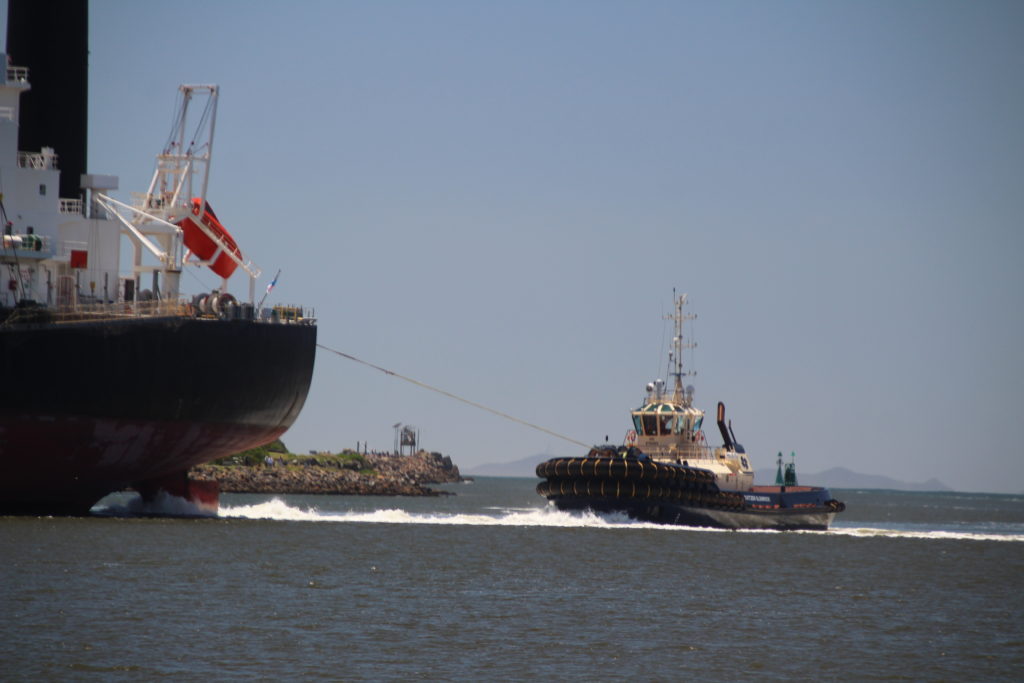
[{"x": 602, "y": 475}]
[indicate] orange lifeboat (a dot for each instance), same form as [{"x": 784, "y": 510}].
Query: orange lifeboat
[{"x": 200, "y": 244}]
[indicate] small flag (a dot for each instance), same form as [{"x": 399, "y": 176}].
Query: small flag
[{"x": 259, "y": 306}]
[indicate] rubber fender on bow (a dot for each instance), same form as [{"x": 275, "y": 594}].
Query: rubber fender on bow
[
  {"x": 604, "y": 468},
  {"x": 609, "y": 489}
]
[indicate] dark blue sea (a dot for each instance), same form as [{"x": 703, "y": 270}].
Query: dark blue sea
[{"x": 492, "y": 584}]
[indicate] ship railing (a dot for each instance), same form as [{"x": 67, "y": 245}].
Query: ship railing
[
  {"x": 40, "y": 161},
  {"x": 685, "y": 451},
  {"x": 288, "y": 314},
  {"x": 17, "y": 74},
  {"x": 30, "y": 243},
  {"x": 85, "y": 310},
  {"x": 143, "y": 201},
  {"x": 97, "y": 312},
  {"x": 73, "y": 207}
]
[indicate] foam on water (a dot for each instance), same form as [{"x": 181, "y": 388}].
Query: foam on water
[
  {"x": 162, "y": 505},
  {"x": 867, "y": 532},
  {"x": 279, "y": 510}
]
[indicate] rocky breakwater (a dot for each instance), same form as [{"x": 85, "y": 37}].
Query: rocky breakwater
[{"x": 345, "y": 473}]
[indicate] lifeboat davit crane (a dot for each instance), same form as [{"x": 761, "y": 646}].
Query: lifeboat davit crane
[{"x": 173, "y": 220}]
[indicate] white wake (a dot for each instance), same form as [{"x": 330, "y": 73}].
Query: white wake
[{"x": 277, "y": 509}]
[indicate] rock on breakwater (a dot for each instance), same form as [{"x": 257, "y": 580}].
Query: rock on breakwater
[{"x": 343, "y": 474}]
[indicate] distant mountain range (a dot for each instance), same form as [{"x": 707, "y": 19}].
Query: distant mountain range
[{"x": 835, "y": 478}]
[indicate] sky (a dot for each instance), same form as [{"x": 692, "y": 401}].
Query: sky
[{"x": 499, "y": 198}]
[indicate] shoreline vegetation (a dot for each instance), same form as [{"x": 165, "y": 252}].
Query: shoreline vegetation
[{"x": 273, "y": 469}]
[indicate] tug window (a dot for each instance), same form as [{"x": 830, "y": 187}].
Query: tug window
[
  {"x": 650, "y": 423},
  {"x": 666, "y": 424}
]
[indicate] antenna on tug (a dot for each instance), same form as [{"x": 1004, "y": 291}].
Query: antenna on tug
[{"x": 675, "y": 356}]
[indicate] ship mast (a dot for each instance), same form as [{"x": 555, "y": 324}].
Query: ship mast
[{"x": 675, "y": 356}]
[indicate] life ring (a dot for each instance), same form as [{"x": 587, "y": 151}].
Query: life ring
[{"x": 631, "y": 437}]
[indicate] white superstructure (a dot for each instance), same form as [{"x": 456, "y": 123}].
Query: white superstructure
[
  {"x": 668, "y": 428},
  {"x": 56, "y": 250},
  {"x": 65, "y": 252}
]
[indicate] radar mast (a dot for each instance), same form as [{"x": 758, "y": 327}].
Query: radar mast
[{"x": 675, "y": 355}]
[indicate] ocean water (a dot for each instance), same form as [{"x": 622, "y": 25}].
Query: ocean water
[{"x": 491, "y": 584}]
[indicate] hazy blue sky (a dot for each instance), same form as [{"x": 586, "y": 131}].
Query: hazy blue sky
[{"x": 498, "y": 198}]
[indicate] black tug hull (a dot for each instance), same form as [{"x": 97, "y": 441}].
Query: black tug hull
[
  {"x": 667, "y": 493},
  {"x": 683, "y": 515},
  {"x": 89, "y": 408}
]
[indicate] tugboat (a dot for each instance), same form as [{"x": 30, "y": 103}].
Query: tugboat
[
  {"x": 111, "y": 378},
  {"x": 666, "y": 472}
]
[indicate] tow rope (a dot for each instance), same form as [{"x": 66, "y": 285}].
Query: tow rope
[{"x": 451, "y": 395}]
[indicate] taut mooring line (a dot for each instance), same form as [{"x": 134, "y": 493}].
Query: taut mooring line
[{"x": 451, "y": 395}]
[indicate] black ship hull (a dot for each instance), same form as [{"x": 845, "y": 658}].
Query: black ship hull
[{"x": 88, "y": 408}]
